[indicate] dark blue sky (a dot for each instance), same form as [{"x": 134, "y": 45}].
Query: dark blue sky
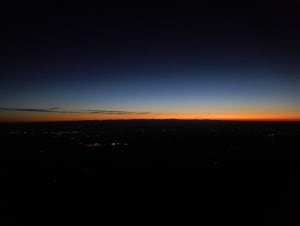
[{"x": 172, "y": 61}]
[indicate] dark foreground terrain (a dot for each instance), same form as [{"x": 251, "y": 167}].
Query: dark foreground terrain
[{"x": 247, "y": 172}]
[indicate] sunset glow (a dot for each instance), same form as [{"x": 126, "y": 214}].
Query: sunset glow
[
  {"x": 40, "y": 117},
  {"x": 155, "y": 68}
]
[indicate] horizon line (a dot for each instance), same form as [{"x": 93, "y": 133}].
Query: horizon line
[{"x": 154, "y": 119}]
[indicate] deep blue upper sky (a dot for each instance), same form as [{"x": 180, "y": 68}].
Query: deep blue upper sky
[{"x": 169, "y": 60}]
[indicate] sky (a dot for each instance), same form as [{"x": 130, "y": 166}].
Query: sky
[{"x": 77, "y": 61}]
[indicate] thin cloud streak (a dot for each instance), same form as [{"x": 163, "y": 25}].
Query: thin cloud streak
[
  {"x": 114, "y": 112},
  {"x": 60, "y": 110},
  {"x": 39, "y": 110}
]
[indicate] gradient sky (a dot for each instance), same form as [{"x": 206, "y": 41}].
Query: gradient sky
[{"x": 74, "y": 62}]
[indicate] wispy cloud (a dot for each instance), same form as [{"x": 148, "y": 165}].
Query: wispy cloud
[
  {"x": 55, "y": 108},
  {"x": 114, "y": 112},
  {"x": 60, "y": 110},
  {"x": 40, "y": 110}
]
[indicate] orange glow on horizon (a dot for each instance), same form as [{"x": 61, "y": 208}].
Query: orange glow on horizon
[{"x": 50, "y": 117}]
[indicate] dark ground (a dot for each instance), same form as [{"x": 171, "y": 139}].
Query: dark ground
[{"x": 244, "y": 172}]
